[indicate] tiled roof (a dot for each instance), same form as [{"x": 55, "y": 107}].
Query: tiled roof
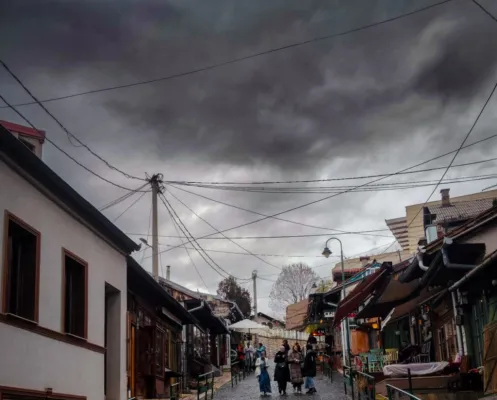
[
  {"x": 11, "y": 127},
  {"x": 460, "y": 210},
  {"x": 484, "y": 217}
]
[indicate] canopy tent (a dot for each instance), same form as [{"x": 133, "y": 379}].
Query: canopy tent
[{"x": 249, "y": 326}]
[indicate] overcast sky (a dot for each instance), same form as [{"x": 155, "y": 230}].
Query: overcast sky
[{"x": 374, "y": 101}]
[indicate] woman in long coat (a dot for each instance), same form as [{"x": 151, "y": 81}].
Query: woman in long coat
[
  {"x": 281, "y": 372},
  {"x": 295, "y": 359},
  {"x": 262, "y": 374}
]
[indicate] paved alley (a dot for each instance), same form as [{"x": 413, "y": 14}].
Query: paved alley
[{"x": 248, "y": 389}]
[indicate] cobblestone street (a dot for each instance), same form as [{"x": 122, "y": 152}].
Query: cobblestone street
[{"x": 248, "y": 389}]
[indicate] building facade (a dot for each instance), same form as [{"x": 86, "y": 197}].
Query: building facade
[{"x": 63, "y": 286}]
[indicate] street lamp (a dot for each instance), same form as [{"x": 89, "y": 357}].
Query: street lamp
[{"x": 327, "y": 252}]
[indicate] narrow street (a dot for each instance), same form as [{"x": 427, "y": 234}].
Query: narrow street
[{"x": 248, "y": 389}]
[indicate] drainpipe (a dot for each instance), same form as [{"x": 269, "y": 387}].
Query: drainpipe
[
  {"x": 473, "y": 271},
  {"x": 458, "y": 328},
  {"x": 202, "y": 305}
]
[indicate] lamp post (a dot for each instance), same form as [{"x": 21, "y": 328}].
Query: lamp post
[{"x": 346, "y": 343}]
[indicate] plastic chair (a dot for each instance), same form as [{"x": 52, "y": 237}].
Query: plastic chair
[{"x": 375, "y": 363}]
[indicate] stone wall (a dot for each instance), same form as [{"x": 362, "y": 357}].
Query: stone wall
[{"x": 273, "y": 344}]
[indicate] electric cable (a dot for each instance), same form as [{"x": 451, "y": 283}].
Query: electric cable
[
  {"x": 238, "y": 59},
  {"x": 453, "y": 158},
  {"x": 333, "y": 189},
  {"x": 148, "y": 234},
  {"x": 168, "y": 205},
  {"x": 327, "y": 179},
  {"x": 337, "y": 194},
  {"x": 130, "y": 206},
  {"x": 265, "y": 215},
  {"x": 175, "y": 224},
  {"x": 217, "y": 230},
  {"x": 18, "y": 80},
  {"x": 122, "y": 198},
  {"x": 63, "y": 151}
]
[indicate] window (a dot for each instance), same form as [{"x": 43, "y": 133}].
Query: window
[
  {"x": 159, "y": 352},
  {"x": 162, "y": 350},
  {"x": 75, "y": 298},
  {"x": 30, "y": 146},
  {"x": 22, "y": 248},
  {"x": 447, "y": 341}
]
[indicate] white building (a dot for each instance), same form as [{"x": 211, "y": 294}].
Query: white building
[{"x": 62, "y": 286}]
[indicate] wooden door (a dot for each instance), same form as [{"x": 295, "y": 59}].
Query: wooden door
[
  {"x": 490, "y": 358},
  {"x": 132, "y": 361}
]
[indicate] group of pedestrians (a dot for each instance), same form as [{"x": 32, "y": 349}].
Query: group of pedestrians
[
  {"x": 248, "y": 355},
  {"x": 290, "y": 366}
]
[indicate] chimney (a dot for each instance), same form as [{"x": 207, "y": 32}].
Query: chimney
[
  {"x": 364, "y": 260},
  {"x": 168, "y": 273},
  {"x": 445, "y": 197}
]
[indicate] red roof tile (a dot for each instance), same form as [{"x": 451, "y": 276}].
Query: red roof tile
[{"x": 24, "y": 130}]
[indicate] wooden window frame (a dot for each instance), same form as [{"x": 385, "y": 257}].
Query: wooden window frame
[
  {"x": 8, "y": 216},
  {"x": 84, "y": 264}
]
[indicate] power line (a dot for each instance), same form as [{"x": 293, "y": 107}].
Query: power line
[
  {"x": 18, "y": 80},
  {"x": 170, "y": 207},
  {"x": 127, "y": 208},
  {"x": 256, "y": 237},
  {"x": 238, "y": 59},
  {"x": 63, "y": 151},
  {"x": 124, "y": 197},
  {"x": 327, "y": 179},
  {"x": 184, "y": 229},
  {"x": 337, "y": 194},
  {"x": 485, "y": 10},
  {"x": 247, "y": 254},
  {"x": 277, "y": 218},
  {"x": 148, "y": 234},
  {"x": 175, "y": 224},
  {"x": 453, "y": 158},
  {"x": 217, "y": 230},
  {"x": 334, "y": 189}
]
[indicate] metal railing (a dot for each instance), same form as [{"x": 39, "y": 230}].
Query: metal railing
[
  {"x": 204, "y": 385},
  {"x": 326, "y": 368},
  {"x": 364, "y": 385},
  {"x": 237, "y": 373},
  {"x": 175, "y": 391},
  {"x": 348, "y": 380},
  {"x": 399, "y": 394},
  {"x": 361, "y": 385}
]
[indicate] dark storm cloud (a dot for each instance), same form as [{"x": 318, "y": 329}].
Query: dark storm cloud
[
  {"x": 370, "y": 102},
  {"x": 292, "y": 110}
]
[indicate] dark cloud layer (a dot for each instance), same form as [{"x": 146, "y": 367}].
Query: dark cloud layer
[{"x": 369, "y": 102}]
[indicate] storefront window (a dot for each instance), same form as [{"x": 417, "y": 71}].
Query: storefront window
[
  {"x": 159, "y": 352},
  {"x": 447, "y": 340},
  {"x": 478, "y": 323}
]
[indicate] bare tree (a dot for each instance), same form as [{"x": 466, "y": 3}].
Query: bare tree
[{"x": 293, "y": 285}]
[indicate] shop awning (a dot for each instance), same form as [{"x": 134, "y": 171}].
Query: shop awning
[
  {"x": 403, "y": 309},
  {"x": 393, "y": 294},
  {"x": 361, "y": 292}
]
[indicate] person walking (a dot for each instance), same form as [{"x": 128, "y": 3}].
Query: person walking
[
  {"x": 286, "y": 345},
  {"x": 281, "y": 372},
  {"x": 261, "y": 349},
  {"x": 262, "y": 374},
  {"x": 310, "y": 369},
  {"x": 241, "y": 356},
  {"x": 295, "y": 358}
]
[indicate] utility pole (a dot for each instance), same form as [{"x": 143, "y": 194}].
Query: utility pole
[
  {"x": 254, "y": 278},
  {"x": 154, "y": 182}
]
